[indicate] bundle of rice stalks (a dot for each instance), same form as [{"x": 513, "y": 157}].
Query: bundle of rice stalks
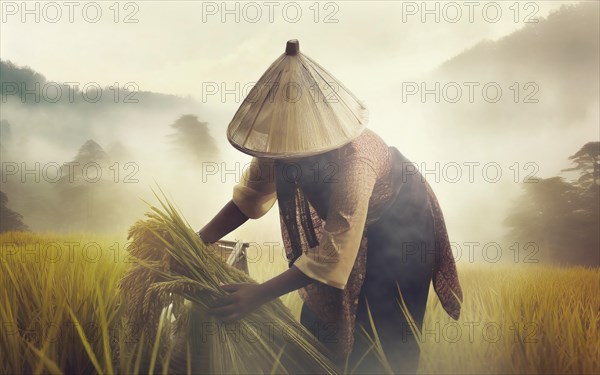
[{"x": 172, "y": 265}]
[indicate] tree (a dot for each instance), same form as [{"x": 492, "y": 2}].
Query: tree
[
  {"x": 587, "y": 215},
  {"x": 89, "y": 199},
  {"x": 9, "y": 219},
  {"x": 192, "y": 138},
  {"x": 562, "y": 217},
  {"x": 587, "y": 164},
  {"x": 5, "y": 138}
]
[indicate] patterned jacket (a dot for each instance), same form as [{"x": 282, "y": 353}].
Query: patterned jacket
[{"x": 326, "y": 204}]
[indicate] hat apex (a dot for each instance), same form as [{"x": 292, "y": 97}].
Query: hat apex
[{"x": 292, "y": 47}]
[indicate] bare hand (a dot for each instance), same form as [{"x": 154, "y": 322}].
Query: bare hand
[{"x": 242, "y": 300}]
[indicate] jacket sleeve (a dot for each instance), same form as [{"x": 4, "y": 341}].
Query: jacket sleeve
[
  {"x": 255, "y": 194},
  {"x": 333, "y": 259}
]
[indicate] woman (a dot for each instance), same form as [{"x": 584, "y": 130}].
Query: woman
[{"x": 358, "y": 229}]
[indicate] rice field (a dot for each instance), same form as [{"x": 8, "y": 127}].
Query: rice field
[{"x": 61, "y": 312}]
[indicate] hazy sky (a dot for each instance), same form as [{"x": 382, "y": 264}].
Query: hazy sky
[
  {"x": 177, "y": 45},
  {"x": 185, "y": 48}
]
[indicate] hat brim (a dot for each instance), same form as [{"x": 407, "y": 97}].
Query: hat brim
[{"x": 324, "y": 116}]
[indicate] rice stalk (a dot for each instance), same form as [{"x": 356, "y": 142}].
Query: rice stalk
[
  {"x": 49, "y": 364},
  {"x": 171, "y": 265},
  {"x": 376, "y": 345},
  {"x": 85, "y": 342},
  {"x": 414, "y": 327}
]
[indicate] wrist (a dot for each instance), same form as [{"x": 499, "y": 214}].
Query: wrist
[
  {"x": 265, "y": 292},
  {"x": 202, "y": 238}
]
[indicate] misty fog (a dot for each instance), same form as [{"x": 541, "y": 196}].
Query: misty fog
[{"x": 551, "y": 65}]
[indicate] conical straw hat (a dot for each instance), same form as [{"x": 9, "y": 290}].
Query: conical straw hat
[{"x": 296, "y": 109}]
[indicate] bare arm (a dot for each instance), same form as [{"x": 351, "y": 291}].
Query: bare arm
[
  {"x": 245, "y": 298},
  {"x": 287, "y": 281},
  {"x": 228, "y": 219}
]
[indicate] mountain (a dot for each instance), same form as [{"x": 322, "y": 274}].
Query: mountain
[
  {"x": 15, "y": 79},
  {"x": 547, "y": 72},
  {"x": 67, "y": 115},
  {"x": 93, "y": 190}
]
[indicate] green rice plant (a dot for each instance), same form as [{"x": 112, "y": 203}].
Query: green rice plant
[
  {"x": 53, "y": 291},
  {"x": 172, "y": 265},
  {"x": 528, "y": 318},
  {"x": 517, "y": 319}
]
